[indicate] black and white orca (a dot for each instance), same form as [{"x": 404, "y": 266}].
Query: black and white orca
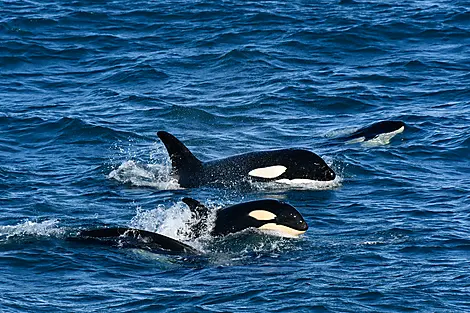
[
  {"x": 381, "y": 131},
  {"x": 269, "y": 216},
  {"x": 281, "y": 166}
]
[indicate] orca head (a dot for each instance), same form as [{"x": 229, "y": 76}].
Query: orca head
[
  {"x": 294, "y": 164},
  {"x": 271, "y": 216},
  {"x": 321, "y": 171},
  {"x": 310, "y": 166}
]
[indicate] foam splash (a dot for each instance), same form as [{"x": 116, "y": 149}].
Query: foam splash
[
  {"x": 173, "y": 222},
  {"x": 145, "y": 175},
  {"x": 156, "y": 174},
  {"x": 244, "y": 247},
  {"x": 170, "y": 222},
  {"x": 46, "y": 228}
]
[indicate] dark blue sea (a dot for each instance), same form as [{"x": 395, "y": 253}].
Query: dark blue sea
[{"x": 85, "y": 86}]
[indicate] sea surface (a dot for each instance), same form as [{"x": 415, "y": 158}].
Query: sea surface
[{"x": 85, "y": 86}]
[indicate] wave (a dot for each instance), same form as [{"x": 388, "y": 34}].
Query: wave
[
  {"x": 137, "y": 73},
  {"x": 47, "y": 228},
  {"x": 42, "y": 132}
]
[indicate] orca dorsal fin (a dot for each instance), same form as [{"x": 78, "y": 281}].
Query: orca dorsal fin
[
  {"x": 182, "y": 159},
  {"x": 197, "y": 208},
  {"x": 200, "y": 215}
]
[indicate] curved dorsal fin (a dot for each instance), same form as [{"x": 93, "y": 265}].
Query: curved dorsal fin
[
  {"x": 200, "y": 215},
  {"x": 182, "y": 159}
]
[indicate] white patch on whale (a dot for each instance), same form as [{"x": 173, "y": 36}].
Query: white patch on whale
[
  {"x": 384, "y": 139},
  {"x": 281, "y": 230},
  {"x": 268, "y": 172},
  {"x": 262, "y": 215}
]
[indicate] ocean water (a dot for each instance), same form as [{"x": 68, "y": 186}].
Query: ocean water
[{"x": 85, "y": 86}]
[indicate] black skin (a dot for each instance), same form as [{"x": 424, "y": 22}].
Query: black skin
[
  {"x": 236, "y": 218},
  {"x": 233, "y": 171},
  {"x": 372, "y": 131},
  {"x": 135, "y": 238}
]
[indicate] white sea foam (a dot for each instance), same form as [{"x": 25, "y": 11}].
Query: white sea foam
[
  {"x": 144, "y": 175},
  {"x": 156, "y": 174},
  {"x": 46, "y": 228},
  {"x": 173, "y": 222},
  {"x": 166, "y": 221}
]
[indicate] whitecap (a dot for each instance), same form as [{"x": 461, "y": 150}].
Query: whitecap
[{"x": 46, "y": 228}]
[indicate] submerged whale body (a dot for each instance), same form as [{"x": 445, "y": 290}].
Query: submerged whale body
[
  {"x": 263, "y": 166},
  {"x": 265, "y": 215},
  {"x": 383, "y": 131},
  {"x": 135, "y": 238}
]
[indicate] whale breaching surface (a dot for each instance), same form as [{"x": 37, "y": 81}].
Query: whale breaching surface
[
  {"x": 268, "y": 216},
  {"x": 281, "y": 166}
]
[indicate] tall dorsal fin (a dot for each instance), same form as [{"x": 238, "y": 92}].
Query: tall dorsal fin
[
  {"x": 182, "y": 159},
  {"x": 200, "y": 215}
]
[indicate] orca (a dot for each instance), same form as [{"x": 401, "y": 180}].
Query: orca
[
  {"x": 276, "y": 165},
  {"x": 268, "y": 215},
  {"x": 382, "y": 131}
]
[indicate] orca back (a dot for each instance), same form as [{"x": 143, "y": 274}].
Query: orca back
[
  {"x": 286, "y": 164},
  {"x": 376, "y": 129},
  {"x": 135, "y": 238}
]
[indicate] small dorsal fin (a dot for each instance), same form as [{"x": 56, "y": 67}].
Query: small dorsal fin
[
  {"x": 197, "y": 208},
  {"x": 200, "y": 215},
  {"x": 182, "y": 159}
]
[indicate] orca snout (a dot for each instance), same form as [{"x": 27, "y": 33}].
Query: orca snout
[
  {"x": 294, "y": 221},
  {"x": 330, "y": 174},
  {"x": 302, "y": 225}
]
